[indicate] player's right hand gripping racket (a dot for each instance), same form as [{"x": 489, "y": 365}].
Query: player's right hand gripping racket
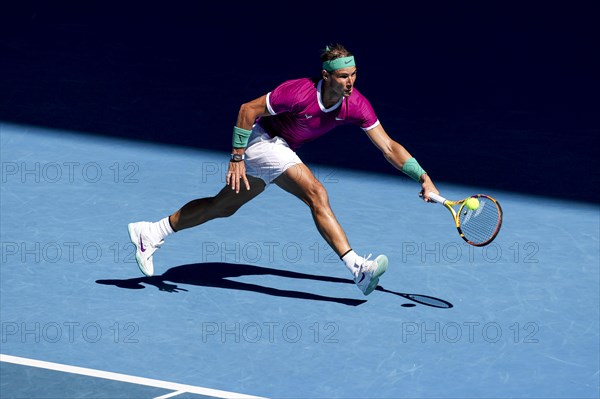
[{"x": 478, "y": 226}]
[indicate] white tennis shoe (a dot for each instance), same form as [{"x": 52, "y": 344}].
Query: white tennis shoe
[
  {"x": 139, "y": 233},
  {"x": 369, "y": 272}
]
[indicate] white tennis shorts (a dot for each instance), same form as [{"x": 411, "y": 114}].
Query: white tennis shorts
[{"x": 268, "y": 157}]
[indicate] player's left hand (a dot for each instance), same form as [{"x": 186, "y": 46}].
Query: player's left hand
[{"x": 427, "y": 187}]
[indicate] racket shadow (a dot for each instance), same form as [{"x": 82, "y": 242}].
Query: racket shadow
[
  {"x": 420, "y": 299},
  {"x": 218, "y": 275}
]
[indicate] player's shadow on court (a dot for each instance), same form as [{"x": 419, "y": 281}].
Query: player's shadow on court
[{"x": 219, "y": 274}]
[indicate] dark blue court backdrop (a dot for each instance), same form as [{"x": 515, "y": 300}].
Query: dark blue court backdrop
[{"x": 507, "y": 93}]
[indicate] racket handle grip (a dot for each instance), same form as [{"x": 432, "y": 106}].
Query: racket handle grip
[{"x": 437, "y": 198}]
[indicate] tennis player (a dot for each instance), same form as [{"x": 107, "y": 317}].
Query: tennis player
[{"x": 268, "y": 131}]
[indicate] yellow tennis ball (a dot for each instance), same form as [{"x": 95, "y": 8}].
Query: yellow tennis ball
[{"x": 472, "y": 203}]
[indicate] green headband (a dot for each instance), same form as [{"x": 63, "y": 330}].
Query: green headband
[{"x": 338, "y": 63}]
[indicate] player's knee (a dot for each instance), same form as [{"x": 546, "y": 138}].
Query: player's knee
[{"x": 318, "y": 197}]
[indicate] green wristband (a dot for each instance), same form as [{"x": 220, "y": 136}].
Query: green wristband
[
  {"x": 240, "y": 137},
  {"x": 413, "y": 170}
]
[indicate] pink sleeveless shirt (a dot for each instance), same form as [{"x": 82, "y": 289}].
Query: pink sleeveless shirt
[{"x": 298, "y": 114}]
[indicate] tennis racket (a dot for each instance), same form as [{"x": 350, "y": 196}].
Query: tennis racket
[{"x": 478, "y": 226}]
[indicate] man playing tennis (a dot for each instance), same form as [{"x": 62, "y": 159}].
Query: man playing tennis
[{"x": 268, "y": 131}]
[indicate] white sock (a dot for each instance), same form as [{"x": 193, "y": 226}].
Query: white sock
[
  {"x": 352, "y": 262},
  {"x": 162, "y": 229}
]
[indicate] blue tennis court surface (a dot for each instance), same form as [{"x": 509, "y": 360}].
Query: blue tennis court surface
[
  {"x": 258, "y": 305},
  {"x": 48, "y": 380}
]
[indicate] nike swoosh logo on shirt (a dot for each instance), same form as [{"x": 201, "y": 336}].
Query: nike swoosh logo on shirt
[
  {"x": 339, "y": 119},
  {"x": 142, "y": 245}
]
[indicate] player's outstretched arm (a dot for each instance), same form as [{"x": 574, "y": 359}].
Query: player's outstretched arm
[{"x": 402, "y": 160}]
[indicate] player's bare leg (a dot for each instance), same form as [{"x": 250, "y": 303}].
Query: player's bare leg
[
  {"x": 148, "y": 237},
  {"x": 300, "y": 181},
  {"x": 224, "y": 204}
]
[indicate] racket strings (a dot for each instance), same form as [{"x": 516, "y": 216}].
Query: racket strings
[{"x": 480, "y": 225}]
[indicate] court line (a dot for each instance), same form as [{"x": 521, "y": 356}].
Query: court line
[
  {"x": 125, "y": 378},
  {"x": 170, "y": 395}
]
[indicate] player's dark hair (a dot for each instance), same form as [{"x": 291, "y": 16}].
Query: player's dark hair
[{"x": 334, "y": 51}]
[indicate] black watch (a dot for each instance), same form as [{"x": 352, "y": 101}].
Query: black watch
[{"x": 237, "y": 157}]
